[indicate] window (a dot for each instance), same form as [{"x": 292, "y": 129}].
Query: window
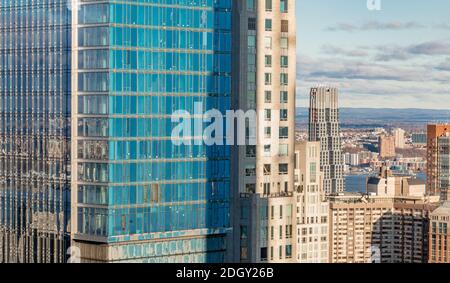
[
  {"x": 284, "y": 26},
  {"x": 283, "y": 169},
  {"x": 268, "y": 5},
  {"x": 250, "y": 5},
  {"x": 288, "y": 251},
  {"x": 284, "y": 79},
  {"x": 283, "y": 97},
  {"x": 284, "y": 43},
  {"x": 250, "y": 188},
  {"x": 267, "y": 169},
  {"x": 93, "y": 104},
  {"x": 267, "y": 132},
  {"x": 313, "y": 172},
  {"x": 250, "y": 151},
  {"x": 268, "y": 78},
  {"x": 267, "y": 149},
  {"x": 268, "y": 42},
  {"x": 252, "y": 24},
  {"x": 268, "y": 61},
  {"x": 283, "y": 150},
  {"x": 284, "y": 61},
  {"x": 251, "y": 41},
  {"x": 267, "y": 96},
  {"x": 266, "y": 189},
  {"x": 283, "y": 114},
  {"x": 284, "y": 132},
  {"x": 250, "y": 170},
  {"x": 154, "y": 194},
  {"x": 268, "y": 25},
  {"x": 283, "y": 6},
  {"x": 267, "y": 115}
]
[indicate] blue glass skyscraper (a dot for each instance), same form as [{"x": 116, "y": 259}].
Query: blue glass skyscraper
[
  {"x": 35, "y": 65},
  {"x": 136, "y": 196}
]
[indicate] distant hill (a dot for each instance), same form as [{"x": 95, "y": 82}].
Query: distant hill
[{"x": 382, "y": 117}]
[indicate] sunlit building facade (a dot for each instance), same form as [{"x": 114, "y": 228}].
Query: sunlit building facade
[
  {"x": 137, "y": 196},
  {"x": 264, "y": 78}
]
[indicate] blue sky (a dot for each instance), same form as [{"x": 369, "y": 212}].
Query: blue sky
[{"x": 398, "y": 57}]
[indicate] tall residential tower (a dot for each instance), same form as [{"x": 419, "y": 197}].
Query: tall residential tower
[
  {"x": 324, "y": 127},
  {"x": 264, "y": 71}
]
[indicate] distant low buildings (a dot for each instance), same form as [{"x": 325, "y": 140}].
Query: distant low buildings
[
  {"x": 386, "y": 145},
  {"x": 389, "y": 185},
  {"x": 419, "y": 139},
  {"x": 399, "y": 136}
]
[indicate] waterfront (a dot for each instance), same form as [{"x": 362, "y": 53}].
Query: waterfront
[{"x": 357, "y": 182}]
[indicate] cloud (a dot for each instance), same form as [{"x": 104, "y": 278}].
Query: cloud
[
  {"x": 376, "y": 25},
  {"x": 364, "y": 83},
  {"x": 395, "y": 52},
  {"x": 443, "y": 26},
  {"x": 444, "y": 66},
  {"x": 334, "y": 50},
  {"x": 431, "y": 48},
  {"x": 343, "y": 27}
]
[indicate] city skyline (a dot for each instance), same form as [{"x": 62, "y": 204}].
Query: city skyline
[
  {"x": 378, "y": 59},
  {"x": 102, "y": 161}
]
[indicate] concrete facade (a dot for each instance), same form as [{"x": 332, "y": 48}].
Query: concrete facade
[
  {"x": 312, "y": 207},
  {"x": 374, "y": 229},
  {"x": 439, "y": 234},
  {"x": 264, "y": 72},
  {"x": 324, "y": 127}
]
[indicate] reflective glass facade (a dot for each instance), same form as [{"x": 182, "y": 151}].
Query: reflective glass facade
[
  {"x": 138, "y": 62},
  {"x": 34, "y": 130}
]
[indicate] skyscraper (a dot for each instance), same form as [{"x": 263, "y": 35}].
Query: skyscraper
[
  {"x": 434, "y": 151},
  {"x": 34, "y": 130},
  {"x": 136, "y": 196},
  {"x": 324, "y": 127},
  {"x": 264, "y": 71}
]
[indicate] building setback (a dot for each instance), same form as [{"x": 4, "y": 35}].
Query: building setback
[
  {"x": 137, "y": 196},
  {"x": 34, "y": 131},
  {"x": 324, "y": 127}
]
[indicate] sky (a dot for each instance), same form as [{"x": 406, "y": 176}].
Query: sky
[{"x": 396, "y": 57}]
